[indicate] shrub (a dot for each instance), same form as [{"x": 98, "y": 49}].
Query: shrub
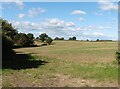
[
  {"x": 43, "y": 36},
  {"x": 97, "y": 40},
  {"x": 7, "y": 46},
  {"x": 87, "y": 40},
  {"x": 24, "y": 40},
  {"x": 72, "y": 38},
  {"x": 118, "y": 56},
  {"x": 48, "y": 40}
]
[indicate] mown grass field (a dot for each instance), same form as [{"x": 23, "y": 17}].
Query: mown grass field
[{"x": 67, "y": 64}]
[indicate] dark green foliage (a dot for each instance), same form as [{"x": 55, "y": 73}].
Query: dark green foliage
[
  {"x": 57, "y": 38},
  {"x": 106, "y": 40},
  {"x": 24, "y": 40},
  {"x": 97, "y": 40},
  {"x": 7, "y": 29},
  {"x": 7, "y": 46},
  {"x": 87, "y": 40},
  {"x": 62, "y": 38},
  {"x": 7, "y": 42},
  {"x": 43, "y": 36},
  {"x": 118, "y": 56},
  {"x": 18, "y": 39},
  {"x": 30, "y": 38},
  {"x": 48, "y": 40},
  {"x": 37, "y": 38},
  {"x": 72, "y": 38},
  {"x": 7, "y": 33}
]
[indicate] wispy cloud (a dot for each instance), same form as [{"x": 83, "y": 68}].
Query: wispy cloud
[
  {"x": 70, "y": 24},
  {"x": 32, "y": 12},
  {"x": 21, "y": 15},
  {"x": 14, "y": 3},
  {"x": 94, "y": 27},
  {"x": 81, "y": 19},
  {"x": 57, "y": 27},
  {"x": 19, "y": 3},
  {"x": 78, "y": 12},
  {"x": 35, "y": 11},
  {"x": 95, "y": 34},
  {"x": 107, "y": 5}
]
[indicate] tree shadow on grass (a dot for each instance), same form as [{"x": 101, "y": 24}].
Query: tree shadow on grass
[{"x": 21, "y": 61}]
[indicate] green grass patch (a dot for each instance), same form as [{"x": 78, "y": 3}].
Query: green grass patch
[
  {"x": 63, "y": 59},
  {"x": 97, "y": 71}
]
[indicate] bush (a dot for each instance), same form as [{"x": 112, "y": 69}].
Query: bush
[
  {"x": 57, "y": 38},
  {"x": 97, "y": 40},
  {"x": 24, "y": 40},
  {"x": 48, "y": 40},
  {"x": 118, "y": 56},
  {"x": 72, "y": 38},
  {"x": 43, "y": 36},
  {"x": 7, "y": 46}
]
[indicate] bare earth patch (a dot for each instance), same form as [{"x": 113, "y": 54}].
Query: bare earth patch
[{"x": 59, "y": 80}]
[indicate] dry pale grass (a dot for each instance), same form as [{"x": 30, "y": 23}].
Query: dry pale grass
[
  {"x": 76, "y": 51},
  {"x": 65, "y": 67}
]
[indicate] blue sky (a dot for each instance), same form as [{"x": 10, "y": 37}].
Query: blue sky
[{"x": 85, "y": 20}]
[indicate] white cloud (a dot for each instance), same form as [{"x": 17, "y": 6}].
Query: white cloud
[
  {"x": 53, "y": 27},
  {"x": 93, "y": 27},
  {"x": 19, "y": 3},
  {"x": 70, "y": 24},
  {"x": 35, "y": 11},
  {"x": 21, "y": 15},
  {"x": 78, "y": 12},
  {"x": 32, "y": 12},
  {"x": 79, "y": 28},
  {"x": 98, "y": 34},
  {"x": 57, "y": 27},
  {"x": 14, "y": 3},
  {"x": 107, "y": 5},
  {"x": 56, "y": 22},
  {"x": 95, "y": 34},
  {"x": 81, "y": 19}
]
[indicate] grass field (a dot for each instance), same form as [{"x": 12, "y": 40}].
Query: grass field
[{"x": 67, "y": 64}]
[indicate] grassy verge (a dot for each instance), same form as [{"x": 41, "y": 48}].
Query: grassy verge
[{"x": 43, "y": 72}]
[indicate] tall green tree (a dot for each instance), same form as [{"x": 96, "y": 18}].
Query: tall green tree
[
  {"x": 8, "y": 29},
  {"x": 31, "y": 38},
  {"x": 74, "y": 38},
  {"x": 97, "y": 40},
  {"x": 43, "y": 36}
]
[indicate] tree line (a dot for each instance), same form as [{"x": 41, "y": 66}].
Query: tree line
[
  {"x": 11, "y": 38},
  {"x": 20, "y": 39}
]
